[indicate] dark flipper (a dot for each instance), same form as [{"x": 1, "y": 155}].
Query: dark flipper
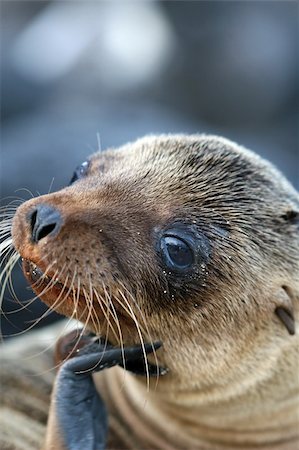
[{"x": 80, "y": 411}]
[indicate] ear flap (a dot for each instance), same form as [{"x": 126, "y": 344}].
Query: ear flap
[
  {"x": 287, "y": 318},
  {"x": 284, "y": 310}
]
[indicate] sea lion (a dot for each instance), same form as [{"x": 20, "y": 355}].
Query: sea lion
[{"x": 192, "y": 241}]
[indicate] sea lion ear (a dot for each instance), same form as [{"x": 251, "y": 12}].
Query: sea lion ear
[
  {"x": 287, "y": 318},
  {"x": 284, "y": 310}
]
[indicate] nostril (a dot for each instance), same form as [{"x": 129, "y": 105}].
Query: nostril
[
  {"x": 33, "y": 216},
  {"x": 44, "y": 221},
  {"x": 45, "y": 231}
]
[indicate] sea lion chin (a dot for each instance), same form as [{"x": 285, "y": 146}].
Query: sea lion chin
[{"x": 188, "y": 240}]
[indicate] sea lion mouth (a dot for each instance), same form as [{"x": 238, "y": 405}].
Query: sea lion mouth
[
  {"x": 45, "y": 284},
  {"x": 49, "y": 287},
  {"x": 57, "y": 294},
  {"x": 36, "y": 276}
]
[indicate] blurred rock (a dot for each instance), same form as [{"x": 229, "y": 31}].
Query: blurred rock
[{"x": 236, "y": 63}]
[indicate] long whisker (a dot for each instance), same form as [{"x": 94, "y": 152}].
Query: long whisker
[
  {"x": 51, "y": 185},
  {"x": 109, "y": 326},
  {"x": 14, "y": 202},
  {"x": 76, "y": 296},
  {"x": 146, "y": 326},
  {"x": 27, "y": 303},
  {"x": 108, "y": 302},
  {"x": 102, "y": 302},
  {"x": 96, "y": 324},
  {"x": 5, "y": 274},
  {"x": 71, "y": 287},
  {"x": 62, "y": 294},
  {"x": 124, "y": 306},
  {"x": 7, "y": 271},
  {"x": 80, "y": 332},
  {"x": 140, "y": 337},
  {"x": 48, "y": 311},
  {"x": 5, "y": 245},
  {"x": 110, "y": 307},
  {"x": 25, "y": 190},
  {"x": 11, "y": 287},
  {"x": 91, "y": 312},
  {"x": 116, "y": 319}
]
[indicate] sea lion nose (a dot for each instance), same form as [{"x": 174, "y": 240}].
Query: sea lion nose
[{"x": 44, "y": 221}]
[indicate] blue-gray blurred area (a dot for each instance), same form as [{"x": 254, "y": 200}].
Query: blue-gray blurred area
[{"x": 76, "y": 73}]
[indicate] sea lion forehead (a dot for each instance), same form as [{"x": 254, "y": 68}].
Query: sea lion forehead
[
  {"x": 195, "y": 160},
  {"x": 149, "y": 151},
  {"x": 178, "y": 171},
  {"x": 175, "y": 152}
]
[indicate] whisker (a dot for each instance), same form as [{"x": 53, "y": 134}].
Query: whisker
[
  {"x": 147, "y": 329},
  {"x": 140, "y": 337},
  {"x": 109, "y": 326},
  {"x": 25, "y": 190},
  {"x": 5, "y": 244},
  {"x": 11, "y": 289},
  {"x": 13, "y": 200},
  {"x": 99, "y": 142},
  {"x": 26, "y": 305},
  {"x": 101, "y": 301},
  {"x": 48, "y": 311},
  {"x": 64, "y": 328},
  {"x": 7, "y": 211},
  {"x": 116, "y": 319},
  {"x": 55, "y": 305},
  {"x": 94, "y": 317},
  {"x": 6, "y": 273},
  {"x": 91, "y": 312},
  {"x": 109, "y": 304},
  {"x": 51, "y": 185}
]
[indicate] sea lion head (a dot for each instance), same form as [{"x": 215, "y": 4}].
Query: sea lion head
[{"x": 191, "y": 240}]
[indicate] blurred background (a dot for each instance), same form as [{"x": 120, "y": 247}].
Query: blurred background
[{"x": 75, "y": 70}]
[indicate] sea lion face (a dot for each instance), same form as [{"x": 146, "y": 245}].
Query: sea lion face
[{"x": 189, "y": 240}]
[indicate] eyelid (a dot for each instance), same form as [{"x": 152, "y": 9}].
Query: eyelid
[
  {"x": 193, "y": 237},
  {"x": 80, "y": 172},
  {"x": 188, "y": 241},
  {"x": 83, "y": 167}
]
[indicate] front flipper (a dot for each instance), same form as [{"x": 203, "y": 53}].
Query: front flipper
[{"x": 78, "y": 413}]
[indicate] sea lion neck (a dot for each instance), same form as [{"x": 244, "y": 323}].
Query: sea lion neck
[{"x": 194, "y": 420}]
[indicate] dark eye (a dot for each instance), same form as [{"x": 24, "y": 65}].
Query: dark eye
[
  {"x": 80, "y": 172},
  {"x": 176, "y": 252}
]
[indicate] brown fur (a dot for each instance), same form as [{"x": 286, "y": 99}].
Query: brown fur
[{"x": 233, "y": 378}]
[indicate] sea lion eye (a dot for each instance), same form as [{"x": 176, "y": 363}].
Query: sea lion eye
[
  {"x": 80, "y": 172},
  {"x": 176, "y": 252}
]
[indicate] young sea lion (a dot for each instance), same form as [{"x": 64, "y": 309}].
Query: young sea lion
[{"x": 192, "y": 241}]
